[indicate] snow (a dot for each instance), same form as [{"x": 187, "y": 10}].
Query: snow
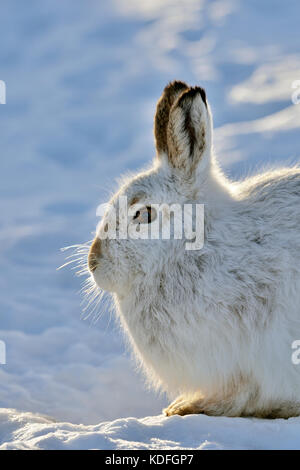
[
  {"x": 82, "y": 80},
  {"x": 30, "y": 431}
]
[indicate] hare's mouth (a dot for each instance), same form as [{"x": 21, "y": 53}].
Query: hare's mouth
[
  {"x": 94, "y": 255},
  {"x": 95, "y": 301}
]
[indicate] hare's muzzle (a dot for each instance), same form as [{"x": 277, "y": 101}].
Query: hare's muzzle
[{"x": 94, "y": 254}]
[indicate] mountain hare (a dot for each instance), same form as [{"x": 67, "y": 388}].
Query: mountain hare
[{"x": 214, "y": 326}]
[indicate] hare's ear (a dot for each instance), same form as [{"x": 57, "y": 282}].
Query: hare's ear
[
  {"x": 171, "y": 92},
  {"x": 189, "y": 132}
]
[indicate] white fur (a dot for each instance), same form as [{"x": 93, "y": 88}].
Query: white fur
[{"x": 214, "y": 325}]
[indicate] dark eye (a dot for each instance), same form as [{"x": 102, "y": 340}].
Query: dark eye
[
  {"x": 146, "y": 215},
  {"x": 136, "y": 216}
]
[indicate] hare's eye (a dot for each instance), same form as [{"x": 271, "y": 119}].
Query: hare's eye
[
  {"x": 136, "y": 215},
  {"x": 146, "y": 215}
]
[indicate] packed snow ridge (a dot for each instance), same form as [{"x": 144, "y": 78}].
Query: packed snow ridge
[{"x": 31, "y": 431}]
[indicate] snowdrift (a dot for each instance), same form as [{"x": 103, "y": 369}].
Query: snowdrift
[{"x": 30, "y": 431}]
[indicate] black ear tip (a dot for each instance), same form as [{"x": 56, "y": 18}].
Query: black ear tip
[
  {"x": 191, "y": 93},
  {"x": 186, "y": 98},
  {"x": 199, "y": 90},
  {"x": 202, "y": 94}
]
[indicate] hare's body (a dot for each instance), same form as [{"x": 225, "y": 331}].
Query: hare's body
[{"x": 215, "y": 326}]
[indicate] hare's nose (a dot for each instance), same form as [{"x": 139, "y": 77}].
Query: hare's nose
[{"x": 94, "y": 254}]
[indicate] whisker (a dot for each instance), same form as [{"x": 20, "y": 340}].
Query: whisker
[
  {"x": 95, "y": 301},
  {"x": 66, "y": 264}
]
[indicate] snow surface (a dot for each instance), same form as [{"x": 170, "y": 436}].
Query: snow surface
[
  {"x": 82, "y": 82},
  {"x": 29, "y": 431}
]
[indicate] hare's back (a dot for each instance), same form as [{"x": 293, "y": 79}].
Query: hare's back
[
  {"x": 270, "y": 207},
  {"x": 273, "y": 194}
]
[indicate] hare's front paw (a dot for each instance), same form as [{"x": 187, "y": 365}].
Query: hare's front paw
[{"x": 183, "y": 406}]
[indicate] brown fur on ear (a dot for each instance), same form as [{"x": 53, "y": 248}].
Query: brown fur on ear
[{"x": 171, "y": 92}]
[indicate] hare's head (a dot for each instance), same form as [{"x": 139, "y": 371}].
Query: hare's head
[{"x": 132, "y": 241}]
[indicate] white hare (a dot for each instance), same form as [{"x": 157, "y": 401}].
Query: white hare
[{"x": 214, "y": 326}]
